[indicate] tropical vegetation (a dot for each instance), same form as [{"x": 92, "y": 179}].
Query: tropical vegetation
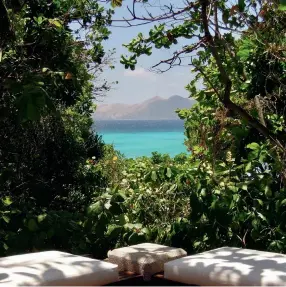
[{"x": 63, "y": 188}]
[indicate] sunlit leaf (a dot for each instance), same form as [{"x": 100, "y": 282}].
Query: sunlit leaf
[
  {"x": 7, "y": 200},
  {"x": 154, "y": 175},
  {"x": 169, "y": 172},
  {"x": 116, "y": 3},
  {"x": 253, "y": 146},
  {"x": 41, "y": 217},
  {"x": 56, "y": 23}
]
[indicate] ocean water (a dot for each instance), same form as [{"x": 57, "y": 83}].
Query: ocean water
[{"x": 141, "y": 138}]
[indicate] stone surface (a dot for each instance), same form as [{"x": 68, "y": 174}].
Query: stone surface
[{"x": 145, "y": 259}]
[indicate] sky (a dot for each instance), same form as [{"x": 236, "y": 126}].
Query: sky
[{"x": 141, "y": 84}]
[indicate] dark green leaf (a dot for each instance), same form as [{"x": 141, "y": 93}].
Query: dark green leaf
[
  {"x": 241, "y": 5},
  {"x": 32, "y": 225}
]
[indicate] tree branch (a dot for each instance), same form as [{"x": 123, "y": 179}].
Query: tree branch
[
  {"x": 217, "y": 34},
  {"x": 228, "y": 83}
]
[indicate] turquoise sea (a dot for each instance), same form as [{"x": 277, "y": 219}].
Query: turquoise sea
[{"x": 141, "y": 138}]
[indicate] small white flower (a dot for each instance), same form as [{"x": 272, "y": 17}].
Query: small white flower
[{"x": 93, "y": 157}]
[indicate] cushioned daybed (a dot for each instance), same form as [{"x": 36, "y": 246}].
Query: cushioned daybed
[
  {"x": 53, "y": 268},
  {"x": 229, "y": 266}
]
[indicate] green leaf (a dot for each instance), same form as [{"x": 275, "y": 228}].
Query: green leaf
[
  {"x": 282, "y": 7},
  {"x": 268, "y": 191},
  {"x": 244, "y": 187},
  {"x": 169, "y": 172},
  {"x": 56, "y": 23},
  {"x": 116, "y": 3},
  {"x": 113, "y": 231},
  {"x": 241, "y": 5},
  {"x": 259, "y": 202},
  {"x": 42, "y": 217},
  {"x": 6, "y": 218},
  {"x": 225, "y": 16},
  {"x": 246, "y": 48},
  {"x": 121, "y": 219},
  {"x": 32, "y": 225},
  {"x": 261, "y": 216},
  {"x": 248, "y": 166},
  {"x": 95, "y": 208},
  {"x": 7, "y": 201},
  {"x": 283, "y": 202},
  {"x": 154, "y": 176},
  {"x": 253, "y": 146}
]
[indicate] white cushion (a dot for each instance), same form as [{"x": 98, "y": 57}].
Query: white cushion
[
  {"x": 30, "y": 258},
  {"x": 145, "y": 259},
  {"x": 55, "y": 269},
  {"x": 229, "y": 266}
]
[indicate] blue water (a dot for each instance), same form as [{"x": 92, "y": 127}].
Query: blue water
[{"x": 141, "y": 138}]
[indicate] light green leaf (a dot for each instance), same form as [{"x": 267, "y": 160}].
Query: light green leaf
[
  {"x": 283, "y": 202},
  {"x": 244, "y": 187},
  {"x": 262, "y": 216},
  {"x": 116, "y": 3},
  {"x": 169, "y": 172},
  {"x": 56, "y": 23},
  {"x": 260, "y": 202},
  {"x": 7, "y": 201},
  {"x": 154, "y": 176},
  {"x": 253, "y": 146},
  {"x": 248, "y": 167},
  {"x": 42, "y": 217}
]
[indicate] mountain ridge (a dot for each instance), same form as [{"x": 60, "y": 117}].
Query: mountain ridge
[{"x": 156, "y": 108}]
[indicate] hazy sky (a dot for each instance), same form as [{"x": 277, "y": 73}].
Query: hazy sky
[{"x": 141, "y": 84}]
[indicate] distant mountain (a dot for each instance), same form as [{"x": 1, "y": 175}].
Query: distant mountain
[{"x": 155, "y": 108}]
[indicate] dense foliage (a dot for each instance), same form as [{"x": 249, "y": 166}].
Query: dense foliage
[
  {"x": 236, "y": 132},
  {"x": 49, "y": 77}
]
